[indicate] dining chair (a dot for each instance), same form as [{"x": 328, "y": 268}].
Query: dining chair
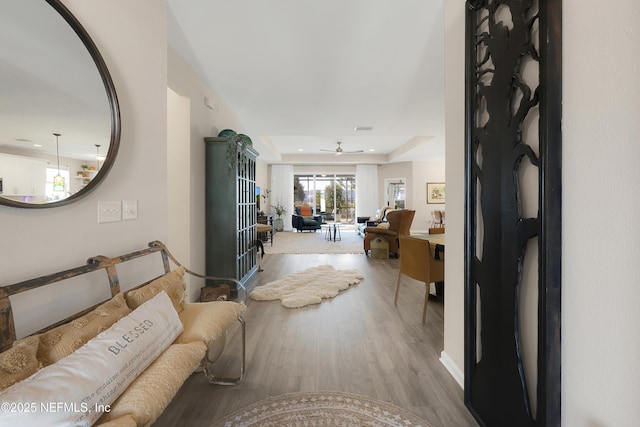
[
  {"x": 418, "y": 262},
  {"x": 437, "y": 219}
]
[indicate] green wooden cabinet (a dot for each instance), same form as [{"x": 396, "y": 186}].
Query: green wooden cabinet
[{"x": 231, "y": 214}]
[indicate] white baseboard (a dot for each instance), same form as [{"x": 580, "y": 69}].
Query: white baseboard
[{"x": 453, "y": 369}]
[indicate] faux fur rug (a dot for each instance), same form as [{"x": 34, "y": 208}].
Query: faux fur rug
[
  {"x": 307, "y": 287},
  {"x": 324, "y": 408}
]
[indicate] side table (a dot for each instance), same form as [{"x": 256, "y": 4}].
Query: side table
[{"x": 332, "y": 231}]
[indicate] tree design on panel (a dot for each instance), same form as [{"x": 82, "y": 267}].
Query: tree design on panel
[{"x": 504, "y": 85}]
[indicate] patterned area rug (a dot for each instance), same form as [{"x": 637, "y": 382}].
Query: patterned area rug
[
  {"x": 325, "y": 408},
  {"x": 292, "y": 242},
  {"x": 307, "y": 287}
]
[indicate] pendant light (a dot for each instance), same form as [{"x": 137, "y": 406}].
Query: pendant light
[{"x": 58, "y": 180}]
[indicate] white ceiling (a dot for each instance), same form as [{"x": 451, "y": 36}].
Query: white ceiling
[
  {"x": 302, "y": 74},
  {"x": 48, "y": 84}
]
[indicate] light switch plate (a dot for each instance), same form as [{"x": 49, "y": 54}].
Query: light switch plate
[
  {"x": 129, "y": 209},
  {"x": 109, "y": 212}
]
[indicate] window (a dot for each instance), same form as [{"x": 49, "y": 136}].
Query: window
[{"x": 331, "y": 195}]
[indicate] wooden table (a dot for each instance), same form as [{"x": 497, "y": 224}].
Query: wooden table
[{"x": 434, "y": 241}]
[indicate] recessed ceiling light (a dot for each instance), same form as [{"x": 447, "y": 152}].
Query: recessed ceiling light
[
  {"x": 372, "y": 149},
  {"x": 300, "y": 149},
  {"x": 363, "y": 128},
  {"x": 37, "y": 145}
]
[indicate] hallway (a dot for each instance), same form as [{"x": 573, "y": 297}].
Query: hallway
[{"x": 357, "y": 342}]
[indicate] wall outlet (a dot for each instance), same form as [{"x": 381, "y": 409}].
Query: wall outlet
[
  {"x": 129, "y": 209},
  {"x": 109, "y": 212}
]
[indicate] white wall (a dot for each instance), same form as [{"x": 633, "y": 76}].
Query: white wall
[
  {"x": 367, "y": 202},
  {"x": 41, "y": 241},
  {"x": 262, "y": 179},
  {"x": 397, "y": 170},
  {"x": 601, "y": 148},
  {"x": 178, "y": 180},
  {"x": 601, "y": 152},
  {"x": 424, "y": 172},
  {"x": 453, "y": 353},
  {"x": 282, "y": 191},
  {"x": 204, "y": 122},
  {"x": 416, "y": 174}
]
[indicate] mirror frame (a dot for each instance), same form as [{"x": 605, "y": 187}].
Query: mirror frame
[{"x": 114, "y": 143}]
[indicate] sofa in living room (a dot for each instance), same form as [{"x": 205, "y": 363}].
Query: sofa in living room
[
  {"x": 118, "y": 363},
  {"x": 304, "y": 219}
]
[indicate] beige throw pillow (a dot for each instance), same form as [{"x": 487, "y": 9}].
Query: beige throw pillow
[
  {"x": 65, "y": 339},
  {"x": 172, "y": 283},
  {"x": 19, "y": 362},
  {"x": 98, "y": 372},
  {"x": 206, "y": 321},
  {"x": 153, "y": 390}
]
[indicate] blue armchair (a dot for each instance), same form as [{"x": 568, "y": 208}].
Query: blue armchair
[{"x": 304, "y": 219}]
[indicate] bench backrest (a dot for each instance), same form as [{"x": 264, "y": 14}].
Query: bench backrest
[{"x": 96, "y": 263}]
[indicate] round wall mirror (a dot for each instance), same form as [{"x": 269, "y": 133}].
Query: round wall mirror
[{"x": 59, "y": 114}]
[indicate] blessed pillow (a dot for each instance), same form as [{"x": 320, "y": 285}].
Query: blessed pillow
[
  {"x": 78, "y": 388},
  {"x": 172, "y": 283},
  {"x": 63, "y": 340},
  {"x": 19, "y": 361}
]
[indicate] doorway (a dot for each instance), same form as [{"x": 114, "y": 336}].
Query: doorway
[
  {"x": 178, "y": 182},
  {"x": 395, "y": 192}
]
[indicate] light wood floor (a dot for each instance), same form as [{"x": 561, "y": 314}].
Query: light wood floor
[{"x": 358, "y": 342}]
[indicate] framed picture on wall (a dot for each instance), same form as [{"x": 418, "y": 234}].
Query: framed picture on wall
[{"x": 435, "y": 193}]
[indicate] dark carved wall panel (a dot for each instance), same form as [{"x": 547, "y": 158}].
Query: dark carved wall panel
[{"x": 513, "y": 211}]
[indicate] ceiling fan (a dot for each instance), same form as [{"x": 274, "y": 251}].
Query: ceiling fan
[{"x": 339, "y": 150}]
